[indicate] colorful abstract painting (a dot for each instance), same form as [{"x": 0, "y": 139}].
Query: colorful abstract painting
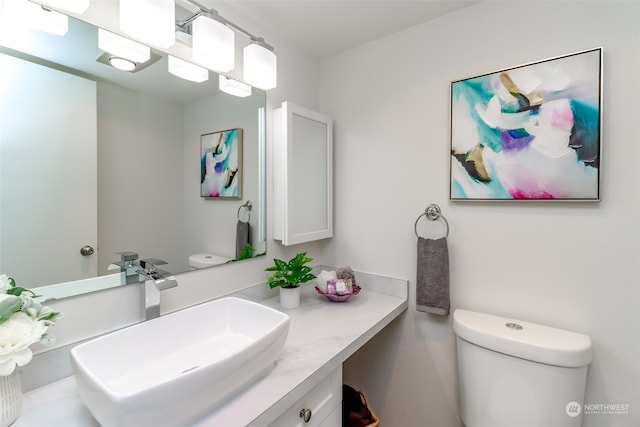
[
  {"x": 221, "y": 164},
  {"x": 530, "y": 132}
]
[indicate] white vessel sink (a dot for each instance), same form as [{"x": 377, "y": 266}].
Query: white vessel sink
[{"x": 176, "y": 368}]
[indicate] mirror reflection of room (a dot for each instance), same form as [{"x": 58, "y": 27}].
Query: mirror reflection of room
[{"x": 100, "y": 158}]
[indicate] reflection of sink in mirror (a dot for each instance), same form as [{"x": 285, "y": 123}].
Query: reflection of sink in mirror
[
  {"x": 178, "y": 367},
  {"x": 66, "y": 289},
  {"x": 204, "y": 260}
]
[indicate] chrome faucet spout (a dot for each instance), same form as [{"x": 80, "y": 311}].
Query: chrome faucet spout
[
  {"x": 150, "y": 297},
  {"x": 155, "y": 280}
]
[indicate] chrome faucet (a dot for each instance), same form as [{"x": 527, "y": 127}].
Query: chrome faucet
[
  {"x": 128, "y": 267},
  {"x": 155, "y": 280}
]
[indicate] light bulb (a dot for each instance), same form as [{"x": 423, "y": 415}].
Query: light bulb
[
  {"x": 73, "y": 6},
  {"x": 150, "y": 21},
  {"x": 123, "y": 47},
  {"x": 260, "y": 67},
  {"x": 187, "y": 70},
  {"x": 213, "y": 44},
  {"x": 233, "y": 87}
]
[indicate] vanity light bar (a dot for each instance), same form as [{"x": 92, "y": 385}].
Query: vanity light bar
[
  {"x": 213, "y": 39},
  {"x": 123, "y": 47},
  {"x": 213, "y": 44},
  {"x": 187, "y": 70},
  {"x": 150, "y": 21},
  {"x": 212, "y": 13},
  {"x": 260, "y": 66},
  {"x": 233, "y": 87},
  {"x": 15, "y": 12},
  {"x": 73, "y": 6},
  {"x": 218, "y": 51}
]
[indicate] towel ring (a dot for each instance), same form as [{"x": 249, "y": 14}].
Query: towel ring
[
  {"x": 432, "y": 212},
  {"x": 248, "y": 206}
]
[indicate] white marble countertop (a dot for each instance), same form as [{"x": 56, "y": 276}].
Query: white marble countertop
[{"x": 322, "y": 336}]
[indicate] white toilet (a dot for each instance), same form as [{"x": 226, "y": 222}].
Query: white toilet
[
  {"x": 204, "y": 260},
  {"x": 513, "y": 373}
]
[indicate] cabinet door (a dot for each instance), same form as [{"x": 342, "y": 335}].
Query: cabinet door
[
  {"x": 334, "y": 419},
  {"x": 324, "y": 402},
  {"x": 303, "y": 174}
]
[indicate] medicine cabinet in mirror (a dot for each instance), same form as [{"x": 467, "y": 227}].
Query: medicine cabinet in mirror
[{"x": 303, "y": 175}]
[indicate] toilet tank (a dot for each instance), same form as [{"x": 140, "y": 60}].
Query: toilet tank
[{"x": 515, "y": 373}]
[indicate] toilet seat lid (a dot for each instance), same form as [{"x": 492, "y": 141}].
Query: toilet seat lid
[{"x": 204, "y": 260}]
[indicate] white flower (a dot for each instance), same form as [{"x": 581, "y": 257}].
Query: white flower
[
  {"x": 23, "y": 321},
  {"x": 16, "y": 335},
  {"x": 30, "y": 306},
  {"x": 5, "y": 284}
]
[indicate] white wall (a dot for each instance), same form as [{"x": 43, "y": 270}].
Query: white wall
[
  {"x": 210, "y": 224},
  {"x": 133, "y": 127},
  {"x": 570, "y": 265},
  {"x": 139, "y": 201},
  {"x": 91, "y": 314},
  {"x": 297, "y": 82}
]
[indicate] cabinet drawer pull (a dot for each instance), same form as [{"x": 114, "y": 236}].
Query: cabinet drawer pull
[{"x": 305, "y": 414}]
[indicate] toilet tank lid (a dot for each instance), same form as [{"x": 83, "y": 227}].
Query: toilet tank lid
[
  {"x": 205, "y": 260},
  {"x": 526, "y": 340}
]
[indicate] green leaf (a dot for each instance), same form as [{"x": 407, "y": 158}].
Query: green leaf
[
  {"x": 8, "y": 307},
  {"x": 17, "y": 291},
  {"x": 292, "y": 273},
  {"x": 281, "y": 265},
  {"x": 50, "y": 317},
  {"x": 246, "y": 251},
  {"x": 306, "y": 278}
]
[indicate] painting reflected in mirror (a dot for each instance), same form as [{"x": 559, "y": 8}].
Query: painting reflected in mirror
[{"x": 94, "y": 157}]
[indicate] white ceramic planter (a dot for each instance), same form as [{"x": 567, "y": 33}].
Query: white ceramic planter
[
  {"x": 289, "y": 298},
  {"x": 10, "y": 398}
]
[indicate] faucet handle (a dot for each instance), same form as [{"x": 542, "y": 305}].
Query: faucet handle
[
  {"x": 127, "y": 258},
  {"x": 154, "y": 261},
  {"x": 128, "y": 255},
  {"x": 149, "y": 264}
]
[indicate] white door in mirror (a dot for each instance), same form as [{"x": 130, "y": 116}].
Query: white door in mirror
[{"x": 53, "y": 168}]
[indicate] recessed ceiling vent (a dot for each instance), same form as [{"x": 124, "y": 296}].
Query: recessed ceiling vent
[{"x": 128, "y": 65}]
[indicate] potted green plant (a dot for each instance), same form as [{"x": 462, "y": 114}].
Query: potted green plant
[{"x": 288, "y": 276}]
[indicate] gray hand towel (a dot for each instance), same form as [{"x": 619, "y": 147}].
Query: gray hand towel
[
  {"x": 432, "y": 284},
  {"x": 243, "y": 236}
]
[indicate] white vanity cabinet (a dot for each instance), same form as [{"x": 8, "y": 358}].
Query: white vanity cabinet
[
  {"x": 320, "y": 407},
  {"x": 307, "y": 375}
]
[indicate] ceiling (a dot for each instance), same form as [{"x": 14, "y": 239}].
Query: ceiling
[
  {"x": 326, "y": 27},
  {"x": 318, "y": 27}
]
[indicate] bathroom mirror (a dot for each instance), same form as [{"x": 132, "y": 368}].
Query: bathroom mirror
[
  {"x": 303, "y": 175},
  {"x": 141, "y": 179}
]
